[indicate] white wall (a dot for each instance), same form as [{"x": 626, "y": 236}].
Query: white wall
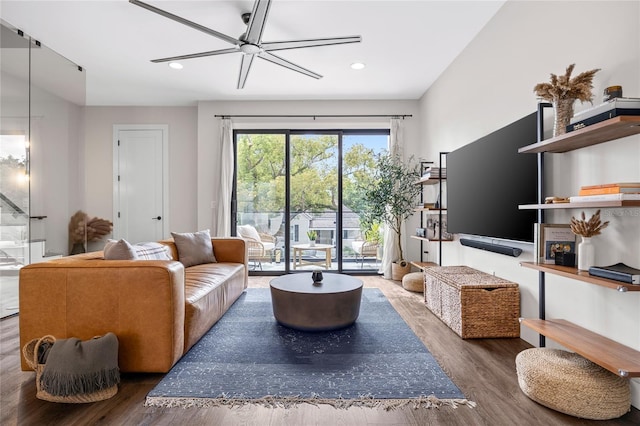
[
  {"x": 209, "y": 132},
  {"x": 491, "y": 84},
  {"x": 98, "y": 158}
]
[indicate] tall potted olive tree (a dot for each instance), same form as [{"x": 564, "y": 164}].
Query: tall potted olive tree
[{"x": 391, "y": 199}]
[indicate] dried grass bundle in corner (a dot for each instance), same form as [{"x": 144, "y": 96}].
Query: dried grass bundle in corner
[
  {"x": 82, "y": 229},
  {"x": 588, "y": 228},
  {"x": 565, "y": 87}
]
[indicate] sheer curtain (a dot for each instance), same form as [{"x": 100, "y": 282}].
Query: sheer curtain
[
  {"x": 226, "y": 179},
  {"x": 390, "y": 250}
]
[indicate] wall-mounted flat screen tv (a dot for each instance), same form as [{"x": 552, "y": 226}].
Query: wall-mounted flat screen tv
[{"x": 488, "y": 179}]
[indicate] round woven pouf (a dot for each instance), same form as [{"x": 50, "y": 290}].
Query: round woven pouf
[
  {"x": 414, "y": 282},
  {"x": 571, "y": 384}
]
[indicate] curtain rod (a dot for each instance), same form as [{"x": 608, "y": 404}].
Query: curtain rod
[{"x": 314, "y": 116}]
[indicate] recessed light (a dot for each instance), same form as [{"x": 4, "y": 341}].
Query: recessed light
[
  {"x": 175, "y": 65},
  {"x": 357, "y": 65}
]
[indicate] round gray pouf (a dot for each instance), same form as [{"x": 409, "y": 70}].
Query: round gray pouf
[
  {"x": 413, "y": 282},
  {"x": 571, "y": 384}
]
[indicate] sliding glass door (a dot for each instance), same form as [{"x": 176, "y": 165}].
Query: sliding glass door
[
  {"x": 260, "y": 197},
  {"x": 298, "y": 199},
  {"x": 314, "y": 200},
  {"x": 361, "y": 241}
]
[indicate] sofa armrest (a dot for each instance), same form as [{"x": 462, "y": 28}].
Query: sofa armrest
[
  {"x": 230, "y": 249},
  {"x": 142, "y": 302}
]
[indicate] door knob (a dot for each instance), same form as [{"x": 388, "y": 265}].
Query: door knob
[{"x": 157, "y": 218}]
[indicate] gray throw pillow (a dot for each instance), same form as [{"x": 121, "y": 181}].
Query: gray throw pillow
[
  {"x": 119, "y": 250},
  {"x": 194, "y": 248}
]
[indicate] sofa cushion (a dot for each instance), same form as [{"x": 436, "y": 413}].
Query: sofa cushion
[
  {"x": 119, "y": 250},
  {"x": 194, "y": 248},
  {"x": 209, "y": 290}
]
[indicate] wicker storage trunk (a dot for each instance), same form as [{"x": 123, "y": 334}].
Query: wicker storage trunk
[{"x": 472, "y": 303}]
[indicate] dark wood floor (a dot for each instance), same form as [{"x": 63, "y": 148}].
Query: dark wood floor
[{"x": 483, "y": 369}]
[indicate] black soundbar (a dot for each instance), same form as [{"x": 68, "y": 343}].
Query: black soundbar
[{"x": 496, "y": 248}]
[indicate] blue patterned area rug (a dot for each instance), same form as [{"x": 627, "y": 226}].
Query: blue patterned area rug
[{"x": 248, "y": 358}]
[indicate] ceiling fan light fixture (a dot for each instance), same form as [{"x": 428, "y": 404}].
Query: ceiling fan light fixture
[
  {"x": 175, "y": 65},
  {"x": 357, "y": 65},
  {"x": 250, "y": 49}
]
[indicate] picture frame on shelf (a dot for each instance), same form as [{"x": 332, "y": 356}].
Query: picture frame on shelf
[
  {"x": 434, "y": 222},
  {"x": 552, "y": 238}
]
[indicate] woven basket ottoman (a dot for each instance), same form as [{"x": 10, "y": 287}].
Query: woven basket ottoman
[
  {"x": 571, "y": 384},
  {"x": 472, "y": 303},
  {"x": 414, "y": 282}
]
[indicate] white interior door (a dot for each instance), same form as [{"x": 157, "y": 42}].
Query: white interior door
[{"x": 140, "y": 183}]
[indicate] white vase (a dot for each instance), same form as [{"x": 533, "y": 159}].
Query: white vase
[
  {"x": 312, "y": 243},
  {"x": 586, "y": 254}
]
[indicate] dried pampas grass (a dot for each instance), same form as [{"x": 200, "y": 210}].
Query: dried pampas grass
[
  {"x": 588, "y": 228},
  {"x": 565, "y": 87},
  {"x": 82, "y": 229}
]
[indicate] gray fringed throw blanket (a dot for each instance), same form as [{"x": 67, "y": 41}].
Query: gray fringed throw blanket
[{"x": 76, "y": 367}]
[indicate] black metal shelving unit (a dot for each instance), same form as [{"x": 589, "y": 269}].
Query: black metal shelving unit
[{"x": 440, "y": 208}]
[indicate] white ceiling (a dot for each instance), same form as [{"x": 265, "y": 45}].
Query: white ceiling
[{"x": 406, "y": 45}]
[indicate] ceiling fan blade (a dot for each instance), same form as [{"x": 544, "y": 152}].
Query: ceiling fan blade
[
  {"x": 257, "y": 21},
  {"x": 245, "y": 66},
  {"x": 297, "y": 44},
  {"x": 186, "y": 22},
  {"x": 284, "y": 63},
  {"x": 197, "y": 55}
]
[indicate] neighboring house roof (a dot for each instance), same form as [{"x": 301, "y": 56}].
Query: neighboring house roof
[{"x": 327, "y": 220}]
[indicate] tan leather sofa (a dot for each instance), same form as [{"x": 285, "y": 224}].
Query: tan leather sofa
[{"x": 157, "y": 308}]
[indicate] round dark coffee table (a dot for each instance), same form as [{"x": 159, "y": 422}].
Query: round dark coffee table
[{"x": 300, "y": 303}]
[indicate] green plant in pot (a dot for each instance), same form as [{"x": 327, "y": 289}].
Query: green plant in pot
[
  {"x": 391, "y": 199},
  {"x": 373, "y": 233},
  {"x": 313, "y": 236}
]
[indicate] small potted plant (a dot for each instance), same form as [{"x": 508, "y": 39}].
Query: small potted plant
[{"x": 313, "y": 236}]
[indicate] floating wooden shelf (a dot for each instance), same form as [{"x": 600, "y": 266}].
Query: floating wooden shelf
[
  {"x": 604, "y": 131},
  {"x": 429, "y": 181},
  {"x": 615, "y": 357},
  {"x": 574, "y": 273},
  {"x": 592, "y": 204},
  {"x": 415, "y": 237},
  {"x": 422, "y": 265}
]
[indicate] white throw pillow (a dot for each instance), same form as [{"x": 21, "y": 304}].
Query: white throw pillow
[
  {"x": 153, "y": 251},
  {"x": 248, "y": 231}
]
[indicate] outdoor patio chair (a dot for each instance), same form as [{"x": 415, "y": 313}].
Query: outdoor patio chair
[
  {"x": 365, "y": 249},
  {"x": 260, "y": 246}
]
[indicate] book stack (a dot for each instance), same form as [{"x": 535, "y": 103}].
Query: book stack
[
  {"x": 434, "y": 173},
  {"x": 608, "y": 192},
  {"x": 606, "y": 110}
]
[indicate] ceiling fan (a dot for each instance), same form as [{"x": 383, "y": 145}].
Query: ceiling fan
[{"x": 250, "y": 44}]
